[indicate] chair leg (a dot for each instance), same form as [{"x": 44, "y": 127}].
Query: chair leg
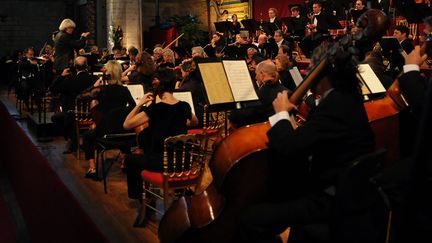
[
  {"x": 165, "y": 198},
  {"x": 141, "y": 219},
  {"x": 78, "y": 140},
  {"x": 103, "y": 170}
]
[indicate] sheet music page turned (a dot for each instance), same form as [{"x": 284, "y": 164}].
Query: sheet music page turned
[
  {"x": 186, "y": 97},
  {"x": 240, "y": 81},
  {"x": 216, "y": 83},
  {"x": 296, "y": 76},
  {"x": 370, "y": 79},
  {"x": 136, "y": 90}
]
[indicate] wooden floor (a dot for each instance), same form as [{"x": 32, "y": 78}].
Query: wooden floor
[{"x": 113, "y": 213}]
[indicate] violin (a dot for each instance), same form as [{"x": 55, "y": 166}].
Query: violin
[{"x": 239, "y": 166}]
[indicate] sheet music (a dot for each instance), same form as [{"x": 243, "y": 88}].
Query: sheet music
[
  {"x": 296, "y": 76},
  {"x": 371, "y": 80},
  {"x": 186, "y": 97},
  {"x": 215, "y": 83},
  {"x": 239, "y": 79},
  {"x": 136, "y": 90}
]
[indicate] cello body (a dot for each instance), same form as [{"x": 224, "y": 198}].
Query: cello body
[{"x": 239, "y": 167}]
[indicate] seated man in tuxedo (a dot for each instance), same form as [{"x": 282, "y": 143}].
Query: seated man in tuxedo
[
  {"x": 267, "y": 78},
  {"x": 305, "y": 162},
  {"x": 401, "y": 33},
  {"x": 69, "y": 85}
]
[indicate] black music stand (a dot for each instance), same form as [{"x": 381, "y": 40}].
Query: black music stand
[
  {"x": 333, "y": 23},
  {"x": 250, "y": 25},
  {"x": 224, "y": 27},
  {"x": 290, "y": 24},
  {"x": 391, "y": 49},
  {"x": 269, "y": 28}
]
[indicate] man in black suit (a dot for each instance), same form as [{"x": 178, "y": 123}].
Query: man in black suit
[
  {"x": 69, "y": 85},
  {"x": 307, "y": 161},
  {"x": 274, "y": 20},
  {"x": 299, "y": 22},
  {"x": 318, "y": 29},
  {"x": 401, "y": 33},
  {"x": 65, "y": 45},
  {"x": 269, "y": 86}
]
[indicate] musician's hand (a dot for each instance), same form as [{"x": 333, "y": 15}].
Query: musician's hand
[
  {"x": 145, "y": 99},
  {"x": 34, "y": 62},
  {"x": 85, "y": 34},
  {"x": 66, "y": 72},
  {"x": 98, "y": 82},
  {"x": 281, "y": 103},
  {"x": 415, "y": 57}
]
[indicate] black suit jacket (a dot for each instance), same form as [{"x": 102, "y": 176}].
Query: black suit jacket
[
  {"x": 64, "y": 50},
  {"x": 335, "y": 133},
  {"x": 299, "y": 26},
  {"x": 260, "y": 111},
  {"x": 71, "y": 86},
  {"x": 323, "y": 23},
  {"x": 407, "y": 46}
]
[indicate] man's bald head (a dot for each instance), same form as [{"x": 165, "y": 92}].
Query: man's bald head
[
  {"x": 267, "y": 71},
  {"x": 80, "y": 63}
]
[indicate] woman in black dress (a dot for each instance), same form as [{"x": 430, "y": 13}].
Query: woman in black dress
[{"x": 167, "y": 118}]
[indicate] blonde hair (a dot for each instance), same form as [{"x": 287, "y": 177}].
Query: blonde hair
[
  {"x": 170, "y": 53},
  {"x": 66, "y": 23},
  {"x": 114, "y": 69}
]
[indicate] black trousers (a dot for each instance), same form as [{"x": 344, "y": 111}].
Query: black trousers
[
  {"x": 261, "y": 223},
  {"x": 66, "y": 121},
  {"x": 135, "y": 163}
]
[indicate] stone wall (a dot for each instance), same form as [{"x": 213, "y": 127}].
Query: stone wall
[
  {"x": 127, "y": 15},
  {"x": 29, "y": 23}
]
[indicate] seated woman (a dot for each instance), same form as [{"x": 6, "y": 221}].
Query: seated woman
[
  {"x": 141, "y": 72},
  {"x": 268, "y": 82},
  {"x": 191, "y": 81},
  {"x": 282, "y": 65},
  {"x": 167, "y": 118},
  {"x": 168, "y": 59},
  {"x": 105, "y": 100}
]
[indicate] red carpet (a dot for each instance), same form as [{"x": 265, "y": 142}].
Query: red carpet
[
  {"x": 51, "y": 212},
  {"x": 7, "y": 233}
]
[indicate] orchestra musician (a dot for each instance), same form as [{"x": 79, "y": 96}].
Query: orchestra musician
[
  {"x": 283, "y": 65},
  {"x": 157, "y": 55},
  {"x": 168, "y": 59},
  {"x": 65, "y": 45},
  {"x": 167, "y": 118},
  {"x": 359, "y": 9},
  {"x": 28, "y": 75},
  {"x": 107, "y": 98},
  {"x": 274, "y": 19},
  {"x": 69, "y": 85},
  {"x": 191, "y": 81},
  {"x": 267, "y": 78},
  {"x": 236, "y": 25},
  {"x": 198, "y": 51},
  {"x": 317, "y": 30},
  {"x": 299, "y": 22},
  {"x": 141, "y": 72},
  {"x": 215, "y": 41},
  {"x": 401, "y": 32},
  {"x": 306, "y": 162}
]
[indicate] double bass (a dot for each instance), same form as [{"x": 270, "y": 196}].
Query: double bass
[{"x": 239, "y": 166}]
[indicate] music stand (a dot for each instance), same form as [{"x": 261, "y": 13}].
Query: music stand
[
  {"x": 333, "y": 23},
  {"x": 250, "y": 25},
  {"x": 289, "y": 23},
  {"x": 391, "y": 49},
  {"x": 224, "y": 27}
]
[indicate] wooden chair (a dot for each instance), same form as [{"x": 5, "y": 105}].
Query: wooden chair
[
  {"x": 83, "y": 120},
  {"x": 183, "y": 162}
]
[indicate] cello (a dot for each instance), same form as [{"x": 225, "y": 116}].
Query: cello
[{"x": 213, "y": 213}]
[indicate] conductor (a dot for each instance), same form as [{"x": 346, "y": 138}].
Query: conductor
[{"x": 65, "y": 45}]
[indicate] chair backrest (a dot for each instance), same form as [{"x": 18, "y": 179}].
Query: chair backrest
[
  {"x": 82, "y": 110},
  {"x": 213, "y": 120},
  {"x": 183, "y": 155},
  {"x": 359, "y": 212}
]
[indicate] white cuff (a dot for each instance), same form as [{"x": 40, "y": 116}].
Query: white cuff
[
  {"x": 283, "y": 115},
  {"x": 411, "y": 67}
]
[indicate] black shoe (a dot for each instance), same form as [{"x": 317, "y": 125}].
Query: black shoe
[{"x": 91, "y": 174}]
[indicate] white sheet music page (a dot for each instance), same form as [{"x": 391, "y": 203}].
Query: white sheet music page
[
  {"x": 371, "y": 80},
  {"x": 186, "y": 97},
  {"x": 296, "y": 76},
  {"x": 136, "y": 90},
  {"x": 239, "y": 79}
]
